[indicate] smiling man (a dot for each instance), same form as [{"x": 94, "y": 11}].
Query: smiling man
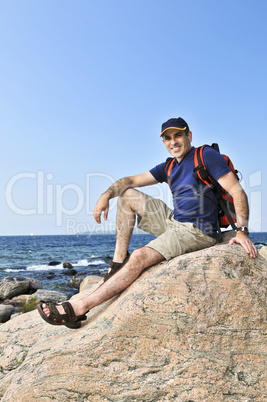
[{"x": 191, "y": 224}]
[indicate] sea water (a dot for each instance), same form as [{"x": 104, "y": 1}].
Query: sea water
[{"x": 30, "y": 256}]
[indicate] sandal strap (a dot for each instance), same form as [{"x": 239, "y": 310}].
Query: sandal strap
[
  {"x": 115, "y": 267},
  {"x": 71, "y": 316},
  {"x": 55, "y": 314}
]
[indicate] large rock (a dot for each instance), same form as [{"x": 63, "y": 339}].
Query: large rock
[
  {"x": 90, "y": 283},
  {"x": 19, "y": 301},
  {"x": 192, "y": 329},
  {"x": 5, "y": 312},
  {"x": 23, "y": 302},
  {"x": 48, "y": 295},
  {"x": 11, "y": 287}
]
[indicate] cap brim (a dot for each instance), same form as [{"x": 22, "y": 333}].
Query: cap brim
[{"x": 178, "y": 128}]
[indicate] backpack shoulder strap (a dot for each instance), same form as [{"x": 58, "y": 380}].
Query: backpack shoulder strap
[
  {"x": 168, "y": 169},
  {"x": 200, "y": 170}
]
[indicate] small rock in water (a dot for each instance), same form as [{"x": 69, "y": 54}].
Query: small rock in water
[
  {"x": 96, "y": 272},
  {"x": 70, "y": 272},
  {"x": 50, "y": 275},
  {"x": 53, "y": 263},
  {"x": 67, "y": 264},
  {"x": 75, "y": 282}
]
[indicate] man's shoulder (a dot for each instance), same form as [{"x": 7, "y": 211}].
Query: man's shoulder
[
  {"x": 215, "y": 162},
  {"x": 208, "y": 149},
  {"x": 210, "y": 153}
]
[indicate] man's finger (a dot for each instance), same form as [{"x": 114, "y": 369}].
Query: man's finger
[
  {"x": 97, "y": 216},
  {"x": 106, "y": 214}
]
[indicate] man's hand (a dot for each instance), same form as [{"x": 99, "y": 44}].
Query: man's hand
[
  {"x": 102, "y": 205},
  {"x": 246, "y": 243}
]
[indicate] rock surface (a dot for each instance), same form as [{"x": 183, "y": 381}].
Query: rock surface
[
  {"x": 11, "y": 287},
  {"x": 192, "y": 329},
  {"x": 263, "y": 252}
]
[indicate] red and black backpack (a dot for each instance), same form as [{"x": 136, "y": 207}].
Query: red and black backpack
[{"x": 226, "y": 214}]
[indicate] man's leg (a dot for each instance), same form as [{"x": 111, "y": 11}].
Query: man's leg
[
  {"x": 130, "y": 203},
  {"x": 140, "y": 259}
]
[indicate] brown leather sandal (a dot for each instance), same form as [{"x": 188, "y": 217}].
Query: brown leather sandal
[
  {"x": 115, "y": 267},
  {"x": 69, "y": 319}
]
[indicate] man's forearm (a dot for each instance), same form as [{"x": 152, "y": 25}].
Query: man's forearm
[
  {"x": 118, "y": 188},
  {"x": 242, "y": 213},
  {"x": 241, "y": 208}
]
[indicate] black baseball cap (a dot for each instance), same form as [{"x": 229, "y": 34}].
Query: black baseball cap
[{"x": 179, "y": 123}]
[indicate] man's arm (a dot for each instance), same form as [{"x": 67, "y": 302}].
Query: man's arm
[
  {"x": 229, "y": 182},
  {"x": 118, "y": 188}
]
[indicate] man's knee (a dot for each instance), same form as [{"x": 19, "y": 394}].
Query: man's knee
[
  {"x": 128, "y": 194},
  {"x": 145, "y": 256},
  {"x": 138, "y": 254}
]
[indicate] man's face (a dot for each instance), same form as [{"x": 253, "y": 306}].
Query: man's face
[{"x": 177, "y": 142}]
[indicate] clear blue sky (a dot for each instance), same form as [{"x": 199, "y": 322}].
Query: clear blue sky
[{"x": 85, "y": 86}]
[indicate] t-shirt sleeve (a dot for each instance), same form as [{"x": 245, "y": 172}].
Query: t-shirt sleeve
[
  {"x": 159, "y": 172},
  {"x": 215, "y": 163}
]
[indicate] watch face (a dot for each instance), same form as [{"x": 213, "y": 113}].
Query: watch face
[{"x": 243, "y": 229}]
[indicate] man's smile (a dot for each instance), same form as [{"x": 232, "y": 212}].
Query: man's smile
[{"x": 176, "y": 148}]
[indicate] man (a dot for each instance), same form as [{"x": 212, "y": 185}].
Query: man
[{"x": 190, "y": 226}]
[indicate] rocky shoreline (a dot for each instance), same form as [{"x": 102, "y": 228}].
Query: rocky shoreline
[{"x": 20, "y": 295}]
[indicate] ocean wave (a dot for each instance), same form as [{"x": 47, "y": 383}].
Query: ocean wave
[
  {"x": 36, "y": 268},
  {"x": 85, "y": 263},
  {"x": 46, "y": 267},
  {"x": 97, "y": 262},
  {"x": 81, "y": 263},
  {"x": 14, "y": 270}
]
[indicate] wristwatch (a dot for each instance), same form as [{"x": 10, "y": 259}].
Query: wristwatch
[{"x": 243, "y": 229}]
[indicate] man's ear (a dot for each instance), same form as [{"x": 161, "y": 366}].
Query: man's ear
[{"x": 190, "y": 136}]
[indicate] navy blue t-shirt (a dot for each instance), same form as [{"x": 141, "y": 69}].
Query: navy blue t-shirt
[{"x": 192, "y": 201}]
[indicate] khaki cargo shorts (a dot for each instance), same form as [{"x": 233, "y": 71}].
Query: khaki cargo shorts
[{"x": 173, "y": 238}]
